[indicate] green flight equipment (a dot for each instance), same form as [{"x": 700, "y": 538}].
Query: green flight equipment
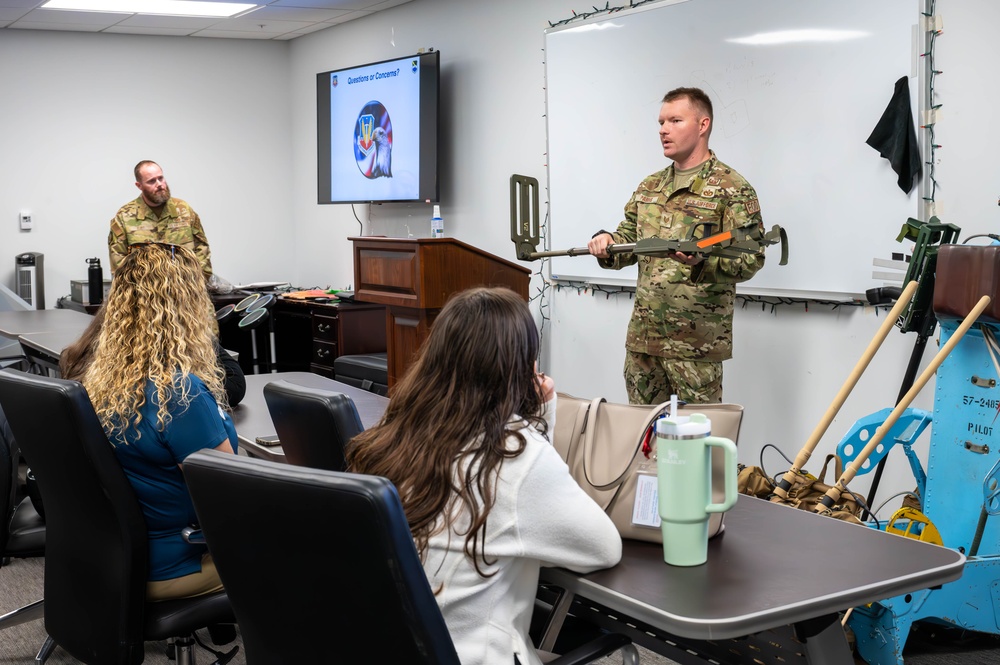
[{"x": 525, "y": 233}]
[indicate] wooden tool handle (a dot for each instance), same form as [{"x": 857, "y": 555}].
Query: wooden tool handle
[
  {"x": 890, "y": 321},
  {"x": 833, "y": 494}
]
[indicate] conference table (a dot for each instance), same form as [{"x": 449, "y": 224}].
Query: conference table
[
  {"x": 252, "y": 419},
  {"x": 44, "y": 348},
  {"x": 13, "y": 324},
  {"x": 44, "y": 333},
  {"x": 772, "y": 588}
]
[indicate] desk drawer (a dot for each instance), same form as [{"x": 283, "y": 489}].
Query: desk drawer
[
  {"x": 325, "y": 327},
  {"x": 322, "y": 370},
  {"x": 324, "y": 353}
]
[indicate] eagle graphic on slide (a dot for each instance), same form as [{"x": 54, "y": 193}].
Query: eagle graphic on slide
[{"x": 383, "y": 154}]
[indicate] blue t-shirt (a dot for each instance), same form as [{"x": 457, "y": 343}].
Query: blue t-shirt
[{"x": 150, "y": 458}]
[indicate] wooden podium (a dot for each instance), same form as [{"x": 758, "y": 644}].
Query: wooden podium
[{"x": 414, "y": 277}]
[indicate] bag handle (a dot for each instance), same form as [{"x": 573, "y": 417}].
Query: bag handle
[
  {"x": 838, "y": 468},
  {"x": 575, "y": 432},
  {"x": 590, "y": 436}
]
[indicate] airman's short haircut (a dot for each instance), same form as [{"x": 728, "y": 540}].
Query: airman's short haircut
[{"x": 698, "y": 99}]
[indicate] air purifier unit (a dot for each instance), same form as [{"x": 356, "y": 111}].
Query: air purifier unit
[{"x": 29, "y": 278}]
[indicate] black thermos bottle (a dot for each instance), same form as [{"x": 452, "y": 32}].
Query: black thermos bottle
[{"x": 95, "y": 279}]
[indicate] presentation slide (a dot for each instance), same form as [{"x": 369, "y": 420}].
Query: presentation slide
[{"x": 375, "y": 132}]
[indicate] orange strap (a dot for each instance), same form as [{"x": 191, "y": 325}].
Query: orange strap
[{"x": 716, "y": 239}]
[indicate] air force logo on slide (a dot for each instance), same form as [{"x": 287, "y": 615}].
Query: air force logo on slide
[
  {"x": 365, "y": 132},
  {"x": 373, "y": 141}
]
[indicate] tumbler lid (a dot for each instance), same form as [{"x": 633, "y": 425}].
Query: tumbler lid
[{"x": 695, "y": 426}]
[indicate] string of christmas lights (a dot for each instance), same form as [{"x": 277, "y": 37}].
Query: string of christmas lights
[
  {"x": 541, "y": 297},
  {"x": 608, "y": 9},
  {"x": 931, "y": 120}
]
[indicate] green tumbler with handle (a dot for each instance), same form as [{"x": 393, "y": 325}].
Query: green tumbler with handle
[{"x": 684, "y": 474}]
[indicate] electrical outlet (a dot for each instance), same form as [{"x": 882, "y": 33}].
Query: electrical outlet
[{"x": 25, "y": 219}]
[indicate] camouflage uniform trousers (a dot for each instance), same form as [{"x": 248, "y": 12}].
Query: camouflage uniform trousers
[{"x": 652, "y": 379}]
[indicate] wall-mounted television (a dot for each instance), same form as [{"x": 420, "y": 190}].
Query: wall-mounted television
[{"x": 377, "y": 131}]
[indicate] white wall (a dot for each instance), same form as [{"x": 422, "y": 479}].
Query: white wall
[
  {"x": 79, "y": 110},
  {"x": 234, "y": 127}
]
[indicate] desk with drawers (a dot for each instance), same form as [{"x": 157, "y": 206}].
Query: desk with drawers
[{"x": 309, "y": 336}]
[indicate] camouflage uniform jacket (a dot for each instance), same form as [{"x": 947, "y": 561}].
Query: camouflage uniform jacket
[
  {"x": 686, "y": 312},
  {"x": 178, "y": 224}
]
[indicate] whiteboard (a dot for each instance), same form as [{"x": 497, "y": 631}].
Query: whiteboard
[{"x": 791, "y": 117}]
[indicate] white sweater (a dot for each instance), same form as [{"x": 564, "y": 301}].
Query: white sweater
[{"x": 541, "y": 518}]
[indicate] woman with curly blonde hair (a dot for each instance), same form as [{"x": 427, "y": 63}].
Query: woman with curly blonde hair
[{"x": 157, "y": 388}]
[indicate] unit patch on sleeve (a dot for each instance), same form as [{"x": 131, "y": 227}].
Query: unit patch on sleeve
[{"x": 753, "y": 206}]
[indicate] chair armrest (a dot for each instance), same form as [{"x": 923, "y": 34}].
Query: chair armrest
[{"x": 194, "y": 536}]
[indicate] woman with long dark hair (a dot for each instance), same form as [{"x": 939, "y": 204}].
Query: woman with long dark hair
[{"x": 487, "y": 497}]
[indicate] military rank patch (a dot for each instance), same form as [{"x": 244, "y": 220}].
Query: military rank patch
[
  {"x": 753, "y": 206},
  {"x": 698, "y": 203},
  {"x": 642, "y": 198}
]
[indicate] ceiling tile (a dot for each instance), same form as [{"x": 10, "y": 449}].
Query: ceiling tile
[
  {"x": 387, "y": 4},
  {"x": 189, "y": 23},
  {"x": 68, "y": 27},
  {"x": 348, "y": 17},
  {"x": 296, "y": 13},
  {"x": 249, "y": 24},
  {"x": 11, "y": 13},
  {"x": 74, "y": 18},
  {"x": 141, "y": 30},
  {"x": 233, "y": 34},
  {"x": 323, "y": 4},
  {"x": 316, "y": 27}
]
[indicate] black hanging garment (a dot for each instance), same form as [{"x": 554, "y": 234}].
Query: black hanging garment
[{"x": 895, "y": 137}]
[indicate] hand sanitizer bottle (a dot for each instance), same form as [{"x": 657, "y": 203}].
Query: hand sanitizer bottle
[{"x": 437, "y": 224}]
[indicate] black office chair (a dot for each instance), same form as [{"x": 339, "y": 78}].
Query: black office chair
[
  {"x": 96, "y": 542},
  {"x": 313, "y": 425},
  {"x": 22, "y": 529},
  {"x": 368, "y": 371},
  {"x": 12, "y": 355},
  {"x": 339, "y": 573}
]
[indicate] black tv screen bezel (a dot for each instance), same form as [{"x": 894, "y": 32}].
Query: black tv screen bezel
[{"x": 430, "y": 124}]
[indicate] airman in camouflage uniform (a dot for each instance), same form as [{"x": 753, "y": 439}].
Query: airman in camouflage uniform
[
  {"x": 682, "y": 320},
  {"x": 157, "y": 217}
]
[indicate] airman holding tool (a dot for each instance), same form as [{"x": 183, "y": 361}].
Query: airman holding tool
[{"x": 681, "y": 325}]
